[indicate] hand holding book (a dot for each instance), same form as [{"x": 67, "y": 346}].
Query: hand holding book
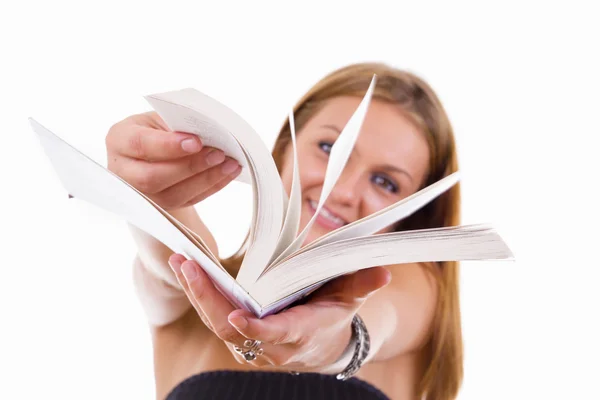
[
  {"x": 276, "y": 270},
  {"x": 289, "y": 337},
  {"x": 174, "y": 169}
]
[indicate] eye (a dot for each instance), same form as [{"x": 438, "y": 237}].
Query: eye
[
  {"x": 385, "y": 182},
  {"x": 325, "y": 146}
]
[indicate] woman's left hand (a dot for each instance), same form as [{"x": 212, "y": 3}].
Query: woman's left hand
[{"x": 306, "y": 337}]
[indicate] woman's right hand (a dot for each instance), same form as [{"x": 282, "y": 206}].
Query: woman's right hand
[{"x": 174, "y": 169}]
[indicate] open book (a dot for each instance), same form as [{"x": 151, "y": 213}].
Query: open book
[{"x": 277, "y": 269}]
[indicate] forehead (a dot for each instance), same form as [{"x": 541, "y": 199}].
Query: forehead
[{"x": 386, "y": 133}]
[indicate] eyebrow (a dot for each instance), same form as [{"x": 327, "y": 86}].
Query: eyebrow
[
  {"x": 386, "y": 167},
  {"x": 398, "y": 170},
  {"x": 333, "y": 128}
]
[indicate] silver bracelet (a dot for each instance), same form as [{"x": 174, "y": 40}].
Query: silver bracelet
[{"x": 362, "y": 345}]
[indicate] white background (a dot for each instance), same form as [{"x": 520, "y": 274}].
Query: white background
[{"x": 520, "y": 83}]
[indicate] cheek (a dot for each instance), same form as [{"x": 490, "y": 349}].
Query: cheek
[
  {"x": 373, "y": 201},
  {"x": 312, "y": 173}
]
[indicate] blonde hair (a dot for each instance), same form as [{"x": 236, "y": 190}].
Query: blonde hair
[{"x": 418, "y": 102}]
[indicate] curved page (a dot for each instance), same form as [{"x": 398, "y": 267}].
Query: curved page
[
  {"x": 340, "y": 152},
  {"x": 191, "y": 111},
  {"x": 87, "y": 180},
  {"x": 456, "y": 243},
  {"x": 294, "y": 209},
  {"x": 389, "y": 215}
]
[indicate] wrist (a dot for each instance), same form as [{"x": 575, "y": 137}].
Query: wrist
[
  {"x": 343, "y": 348},
  {"x": 360, "y": 346},
  {"x": 355, "y": 353}
]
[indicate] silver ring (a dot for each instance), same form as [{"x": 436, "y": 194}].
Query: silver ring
[{"x": 250, "y": 350}]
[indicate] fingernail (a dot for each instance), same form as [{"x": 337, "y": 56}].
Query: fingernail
[
  {"x": 229, "y": 167},
  {"x": 189, "y": 271},
  {"x": 191, "y": 145},
  {"x": 175, "y": 265},
  {"x": 388, "y": 278},
  {"x": 236, "y": 172},
  {"x": 215, "y": 157},
  {"x": 238, "y": 321}
]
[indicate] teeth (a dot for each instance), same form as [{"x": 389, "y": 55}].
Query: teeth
[{"x": 325, "y": 213}]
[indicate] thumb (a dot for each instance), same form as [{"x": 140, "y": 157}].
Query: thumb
[{"x": 358, "y": 285}]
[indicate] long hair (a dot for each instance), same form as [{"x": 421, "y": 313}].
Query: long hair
[{"x": 418, "y": 102}]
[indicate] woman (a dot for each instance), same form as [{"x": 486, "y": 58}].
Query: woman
[{"x": 410, "y": 312}]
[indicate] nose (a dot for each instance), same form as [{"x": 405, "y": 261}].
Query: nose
[{"x": 348, "y": 187}]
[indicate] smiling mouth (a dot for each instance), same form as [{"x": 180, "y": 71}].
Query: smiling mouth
[{"x": 326, "y": 217}]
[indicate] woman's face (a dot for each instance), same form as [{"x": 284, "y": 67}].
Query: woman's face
[{"x": 389, "y": 162}]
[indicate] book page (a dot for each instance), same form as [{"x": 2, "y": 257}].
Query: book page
[
  {"x": 179, "y": 109},
  {"x": 340, "y": 152},
  {"x": 456, "y": 243},
  {"x": 86, "y": 180},
  {"x": 205, "y": 123},
  {"x": 294, "y": 210},
  {"x": 289, "y": 300},
  {"x": 389, "y": 215},
  {"x": 193, "y": 236}
]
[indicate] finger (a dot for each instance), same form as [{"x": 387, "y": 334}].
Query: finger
[
  {"x": 233, "y": 339},
  {"x": 213, "y": 304},
  {"x": 175, "y": 261},
  {"x": 145, "y": 143},
  {"x": 194, "y": 186},
  {"x": 357, "y": 286},
  {"x": 278, "y": 329},
  {"x": 285, "y": 333},
  {"x": 154, "y": 177},
  {"x": 214, "y": 188}
]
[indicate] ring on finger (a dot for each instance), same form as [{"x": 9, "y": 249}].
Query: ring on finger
[{"x": 250, "y": 350}]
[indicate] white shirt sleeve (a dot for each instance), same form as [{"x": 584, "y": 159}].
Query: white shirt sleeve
[{"x": 162, "y": 303}]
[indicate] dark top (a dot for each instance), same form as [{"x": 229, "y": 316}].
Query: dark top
[{"x": 262, "y": 385}]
